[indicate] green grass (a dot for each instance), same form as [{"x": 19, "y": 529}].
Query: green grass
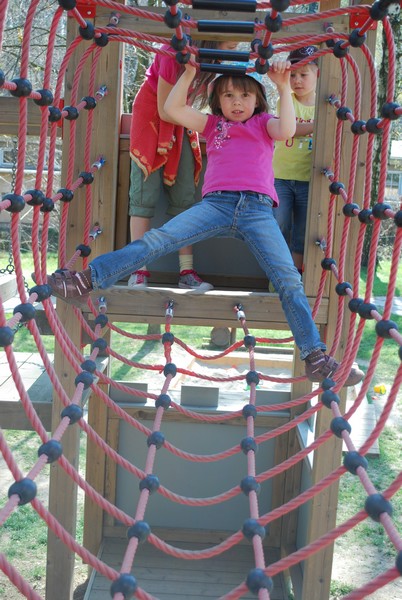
[{"x": 23, "y": 536}]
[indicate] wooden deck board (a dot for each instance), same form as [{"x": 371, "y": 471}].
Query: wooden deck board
[{"x": 170, "y": 578}]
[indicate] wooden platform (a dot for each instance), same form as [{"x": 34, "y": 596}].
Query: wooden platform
[{"x": 169, "y": 578}]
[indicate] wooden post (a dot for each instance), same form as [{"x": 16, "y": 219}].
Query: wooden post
[
  {"x": 323, "y": 507},
  {"x": 105, "y": 130}
]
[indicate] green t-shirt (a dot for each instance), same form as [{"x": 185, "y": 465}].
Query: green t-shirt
[{"x": 292, "y": 158}]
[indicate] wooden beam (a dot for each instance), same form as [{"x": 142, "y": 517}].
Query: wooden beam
[
  {"x": 263, "y": 311},
  {"x": 10, "y": 116},
  {"x": 152, "y": 27}
]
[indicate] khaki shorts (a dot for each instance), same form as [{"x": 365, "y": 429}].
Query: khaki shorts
[{"x": 145, "y": 194}]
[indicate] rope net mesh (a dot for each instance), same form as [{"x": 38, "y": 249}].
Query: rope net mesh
[{"x": 367, "y": 121}]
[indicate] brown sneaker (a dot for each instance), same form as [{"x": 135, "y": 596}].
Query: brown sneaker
[
  {"x": 320, "y": 366},
  {"x": 70, "y": 284}
]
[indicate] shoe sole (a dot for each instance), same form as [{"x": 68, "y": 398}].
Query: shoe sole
[{"x": 204, "y": 287}]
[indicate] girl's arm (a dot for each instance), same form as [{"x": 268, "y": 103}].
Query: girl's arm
[
  {"x": 284, "y": 127},
  {"x": 303, "y": 129},
  {"x": 176, "y": 106}
]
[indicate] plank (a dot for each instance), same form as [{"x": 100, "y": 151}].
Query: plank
[
  {"x": 263, "y": 311},
  {"x": 167, "y": 577}
]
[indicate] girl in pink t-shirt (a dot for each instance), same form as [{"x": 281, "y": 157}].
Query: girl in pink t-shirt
[
  {"x": 238, "y": 198},
  {"x": 165, "y": 156}
]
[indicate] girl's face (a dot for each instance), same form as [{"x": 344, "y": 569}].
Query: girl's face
[
  {"x": 227, "y": 45},
  {"x": 237, "y": 104},
  {"x": 303, "y": 82}
]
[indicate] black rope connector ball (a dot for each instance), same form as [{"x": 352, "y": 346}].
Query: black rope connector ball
[
  {"x": 125, "y": 584},
  {"x": 358, "y": 127},
  {"x": 260, "y": 67},
  {"x": 273, "y": 25},
  {"x": 280, "y": 5},
  {"x": 349, "y": 209},
  {"x": 328, "y": 397},
  {"x": 249, "y": 341},
  {"x": 353, "y": 460},
  {"x": 85, "y": 378},
  {"x": 43, "y": 292},
  {"x": 388, "y": 111},
  {"x": 398, "y": 218},
  {"x": 252, "y": 377},
  {"x": 257, "y": 580},
  {"x": 376, "y": 505},
  {"x": 327, "y": 263},
  {"x": 53, "y": 450},
  {"x": 338, "y": 425},
  {"x": 87, "y": 32},
  {"x": 372, "y": 126},
  {"x": 335, "y": 187},
  {"x": 84, "y": 250},
  {"x": 183, "y": 59},
  {"x": 327, "y": 383},
  {"x": 398, "y": 561},
  {"x": 102, "y": 40},
  {"x": 365, "y": 216},
  {"x": 87, "y": 177},
  {"x": 167, "y": 338},
  {"x": 356, "y": 39},
  {"x": 265, "y": 52},
  {"x": 343, "y": 112},
  {"x": 378, "y": 11},
  {"x": 341, "y": 288},
  {"x": 141, "y": 530},
  {"x": 27, "y": 312},
  {"x": 251, "y": 527},
  {"x": 179, "y": 44},
  {"x": 47, "y": 206},
  {"x": 163, "y": 401},
  {"x": 72, "y": 113},
  {"x": 73, "y": 412},
  {"x": 102, "y": 320},
  {"x": 365, "y": 309},
  {"x": 24, "y": 87},
  {"x": 54, "y": 114},
  {"x": 67, "y": 4},
  {"x": 250, "y": 484},
  {"x": 37, "y": 197},
  {"x": 170, "y": 369},
  {"x": 156, "y": 439},
  {"x": 172, "y": 21},
  {"x": 46, "y": 98},
  {"x": 99, "y": 343},
  {"x": 90, "y": 102},
  {"x": 247, "y": 444},
  {"x": 6, "y": 336},
  {"x": 66, "y": 195},
  {"x": 17, "y": 203},
  {"x": 25, "y": 489},
  {"x": 249, "y": 410},
  {"x": 383, "y": 328},
  {"x": 354, "y": 304},
  {"x": 88, "y": 365},
  {"x": 379, "y": 210},
  {"x": 339, "y": 50},
  {"x": 150, "y": 483}
]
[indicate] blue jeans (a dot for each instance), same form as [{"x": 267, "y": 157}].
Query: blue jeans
[
  {"x": 291, "y": 213},
  {"x": 244, "y": 215}
]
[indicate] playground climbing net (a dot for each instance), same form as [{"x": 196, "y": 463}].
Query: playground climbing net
[{"x": 367, "y": 122}]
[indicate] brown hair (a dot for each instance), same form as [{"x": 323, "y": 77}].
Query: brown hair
[
  {"x": 203, "y": 78},
  {"x": 245, "y": 83}
]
